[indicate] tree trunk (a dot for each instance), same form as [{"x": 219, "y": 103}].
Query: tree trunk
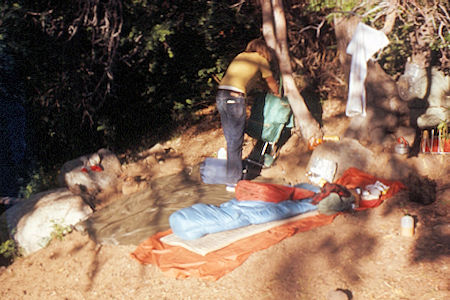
[{"x": 275, "y": 34}]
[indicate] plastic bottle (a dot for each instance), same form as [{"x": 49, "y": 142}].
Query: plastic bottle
[
  {"x": 407, "y": 226},
  {"x": 412, "y": 84},
  {"x": 424, "y": 142},
  {"x": 222, "y": 153}
]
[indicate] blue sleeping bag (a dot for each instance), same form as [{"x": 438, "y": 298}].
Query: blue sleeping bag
[{"x": 200, "y": 219}]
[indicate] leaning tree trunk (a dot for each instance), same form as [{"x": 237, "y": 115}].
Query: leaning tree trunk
[{"x": 275, "y": 34}]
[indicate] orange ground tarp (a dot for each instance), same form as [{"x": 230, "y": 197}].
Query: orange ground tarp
[{"x": 181, "y": 263}]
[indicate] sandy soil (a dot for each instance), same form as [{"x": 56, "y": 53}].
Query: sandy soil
[{"x": 362, "y": 254}]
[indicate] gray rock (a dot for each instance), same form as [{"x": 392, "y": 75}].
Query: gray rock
[
  {"x": 414, "y": 84},
  {"x": 31, "y": 222},
  {"x": 346, "y": 153},
  {"x": 88, "y": 182},
  {"x": 433, "y": 116}
]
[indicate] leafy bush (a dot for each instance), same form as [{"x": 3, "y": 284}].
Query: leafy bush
[
  {"x": 59, "y": 231},
  {"x": 8, "y": 249},
  {"x": 94, "y": 83}
]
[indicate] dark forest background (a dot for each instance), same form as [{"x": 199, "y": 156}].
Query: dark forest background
[{"x": 127, "y": 74}]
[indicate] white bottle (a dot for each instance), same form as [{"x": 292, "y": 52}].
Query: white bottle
[
  {"x": 222, "y": 153},
  {"x": 407, "y": 226}
]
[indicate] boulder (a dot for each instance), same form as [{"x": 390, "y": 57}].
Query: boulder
[
  {"x": 31, "y": 222},
  {"x": 438, "y": 101},
  {"x": 346, "y": 153},
  {"x": 435, "y": 91},
  {"x": 92, "y": 174}
]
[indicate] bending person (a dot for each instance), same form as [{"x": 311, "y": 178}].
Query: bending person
[{"x": 230, "y": 99}]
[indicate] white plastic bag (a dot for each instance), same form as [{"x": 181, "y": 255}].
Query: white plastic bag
[{"x": 321, "y": 171}]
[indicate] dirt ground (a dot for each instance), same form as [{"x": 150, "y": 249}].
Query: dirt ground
[{"x": 361, "y": 253}]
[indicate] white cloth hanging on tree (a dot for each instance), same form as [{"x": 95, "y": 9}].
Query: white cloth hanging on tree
[{"x": 366, "y": 41}]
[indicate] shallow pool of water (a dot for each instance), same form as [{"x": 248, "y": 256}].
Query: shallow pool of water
[{"x": 134, "y": 218}]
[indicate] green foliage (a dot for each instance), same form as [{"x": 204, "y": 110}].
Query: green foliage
[
  {"x": 38, "y": 180},
  {"x": 159, "y": 34},
  {"x": 411, "y": 15},
  {"x": 393, "y": 58},
  {"x": 59, "y": 231},
  {"x": 343, "y": 5},
  {"x": 443, "y": 128},
  {"x": 84, "y": 93},
  {"x": 8, "y": 249},
  {"x": 441, "y": 43}
]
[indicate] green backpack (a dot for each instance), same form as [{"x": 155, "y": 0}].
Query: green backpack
[{"x": 268, "y": 117}]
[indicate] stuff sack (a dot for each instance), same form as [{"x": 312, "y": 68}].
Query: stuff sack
[{"x": 214, "y": 171}]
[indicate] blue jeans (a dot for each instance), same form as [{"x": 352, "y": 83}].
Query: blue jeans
[{"x": 232, "y": 116}]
